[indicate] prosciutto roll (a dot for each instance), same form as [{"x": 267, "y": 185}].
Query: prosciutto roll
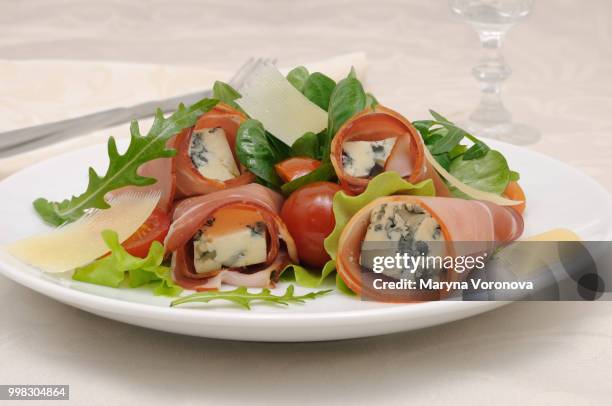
[
  {"x": 426, "y": 226},
  {"x": 206, "y": 154},
  {"x": 232, "y": 236},
  {"x": 379, "y": 139}
]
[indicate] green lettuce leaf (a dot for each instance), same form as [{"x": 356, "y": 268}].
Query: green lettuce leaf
[
  {"x": 308, "y": 278},
  {"x": 122, "y": 168},
  {"x": 120, "y": 268},
  {"x": 385, "y": 184}
]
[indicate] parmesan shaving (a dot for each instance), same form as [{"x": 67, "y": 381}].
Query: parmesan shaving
[
  {"x": 269, "y": 97},
  {"x": 468, "y": 190},
  {"x": 77, "y": 244}
]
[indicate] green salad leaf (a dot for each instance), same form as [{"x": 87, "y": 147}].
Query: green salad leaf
[
  {"x": 242, "y": 297},
  {"x": 385, "y": 184},
  {"x": 259, "y": 151},
  {"x": 298, "y": 76},
  {"x": 120, "y": 268},
  {"x": 477, "y": 165},
  {"x": 122, "y": 168},
  {"x": 371, "y": 100},
  {"x": 307, "y": 145},
  {"x": 323, "y": 173},
  {"x": 227, "y": 94},
  {"x": 318, "y": 89},
  {"x": 489, "y": 173},
  {"x": 307, "y": 277},
  {"x": 347, "y": 99}
]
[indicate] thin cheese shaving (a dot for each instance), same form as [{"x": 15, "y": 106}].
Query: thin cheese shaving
[
  {"x": 468, "y": 190},
  {"x": 79, "y": 243},
  {"x": 269, "y": 97}
]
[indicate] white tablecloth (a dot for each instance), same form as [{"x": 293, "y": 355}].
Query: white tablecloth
[{"x": 419, "y": 57}]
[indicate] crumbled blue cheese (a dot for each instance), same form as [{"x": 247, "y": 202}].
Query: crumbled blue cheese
[
  {"x": 366, "y": 158},
  {"x": 233, "y": 238},
  {"x": 404, "y": 228},
  {"x": 211, "y": 154}
]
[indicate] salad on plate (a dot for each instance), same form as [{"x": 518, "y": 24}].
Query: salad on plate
[{"x": 286, "y": 178}]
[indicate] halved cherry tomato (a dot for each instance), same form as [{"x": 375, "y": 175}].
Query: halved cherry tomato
[
  {"x": 154, "y": 228},
  {"x": 309, "y": 217},
  {"x": 515, "y": 192},
  {"x": 294, "y": 168}
]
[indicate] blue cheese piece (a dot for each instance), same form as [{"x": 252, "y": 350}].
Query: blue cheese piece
[
  {"x": 233, "y": 238},
  {"x": 404, "y": 228},
  {"x": 366, "y": 158},
  {"x": 211, "y": 154}
]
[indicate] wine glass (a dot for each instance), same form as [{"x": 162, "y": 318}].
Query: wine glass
[{"x": 492, "y": 19}]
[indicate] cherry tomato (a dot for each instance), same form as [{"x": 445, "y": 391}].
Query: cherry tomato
[
  {"x": 154, "y": 228},
  {"x": 294, "y": 168},
  {"x": 309, "y": 217},
  {"x": 515, "y": 192}
]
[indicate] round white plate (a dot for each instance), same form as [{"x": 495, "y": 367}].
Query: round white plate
[{"x": 558, "y": 196}]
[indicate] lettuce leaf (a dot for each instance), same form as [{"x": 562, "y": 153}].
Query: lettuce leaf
[
  {"x": 119, "y": 268},
  {"x": 306, "y": 277},
  {"x": 385, "y": 184}
]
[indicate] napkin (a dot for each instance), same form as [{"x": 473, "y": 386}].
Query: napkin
[{"x": 39, "y": 91}]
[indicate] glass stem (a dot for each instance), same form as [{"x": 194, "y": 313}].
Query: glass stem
[{"x": 490, "y": 72}]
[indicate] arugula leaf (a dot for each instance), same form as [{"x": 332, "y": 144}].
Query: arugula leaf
[
  {"x": 259, "y": 151},
  {"x": 489, "y": 173},
  {"x": 298, "y": 76},
  {"x": 324, "y": 172},
  {"x": 307, "y": 145},
  {"x": 119, "y": 267},
  {"x": 385, "y": 184},
  {"x": 122, "y": 169},
  {"x": 242, "y": 297},
  {"x": 318, "y": 89},
  {"x": 227, "y": 94},
  {"x": 347, "y": 99},
  {"x": 449, "y": 141}
]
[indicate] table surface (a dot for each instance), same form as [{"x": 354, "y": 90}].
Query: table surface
[{"x": 419, "y": 56}]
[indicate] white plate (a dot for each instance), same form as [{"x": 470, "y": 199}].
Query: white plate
[{"x": 558, "y": 196}]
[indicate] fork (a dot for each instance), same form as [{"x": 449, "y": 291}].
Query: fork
[{"x": 29, "y": 138}]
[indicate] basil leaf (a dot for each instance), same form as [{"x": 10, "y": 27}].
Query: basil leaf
[
  {"x": 297, "y": 77},
  {"x": 423, "y": 126},
  {"x": 318, "y": 89},
  {"x": 514, "y": 176},
  {"x": 489, "y": 173},
  {"x": 452, "y": 138},
  {"x": 347, "y": 99},
  {"x": 306, "y": 145},
  {"x": 322, "y": 173},
  {"x": 227, "y": 94},
  {"x": 255, "y": 151},
  {"x": 281, "y": 150}
]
